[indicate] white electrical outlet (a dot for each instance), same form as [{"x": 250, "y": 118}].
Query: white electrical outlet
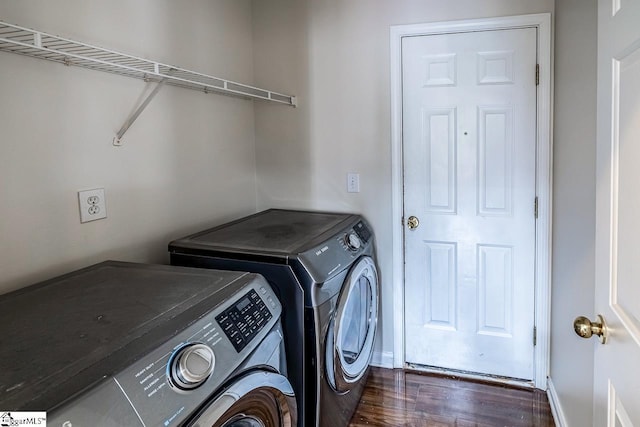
[
  {"x": 353, "y": 182},
  {"x": 93, "y": 205}
]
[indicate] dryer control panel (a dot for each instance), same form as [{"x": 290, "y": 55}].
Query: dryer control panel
[
  {"x": 362, "y": 231},
  {"x": 358, "y": 236},
  {"x": 330, "y": 258}
]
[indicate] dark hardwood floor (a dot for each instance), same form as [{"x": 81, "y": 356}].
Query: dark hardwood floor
[{"x": 406, "y": 398}]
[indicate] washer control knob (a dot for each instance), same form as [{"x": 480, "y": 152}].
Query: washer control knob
[
  {"x": 353, "y": 241},
  {"x": 191, "y": 365}
]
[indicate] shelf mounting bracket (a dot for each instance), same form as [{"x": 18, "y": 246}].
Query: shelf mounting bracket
[{"x": 117, "y": 140}]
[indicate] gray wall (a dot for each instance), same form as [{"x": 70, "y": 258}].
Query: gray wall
[
  {"x": 574, "y": 205},
  {"x": 188, "y": 162}
]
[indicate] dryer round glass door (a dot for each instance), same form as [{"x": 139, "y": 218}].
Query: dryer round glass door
[
  {"x": 353, "y": 327},
  {"x": 259, "y": 399}
]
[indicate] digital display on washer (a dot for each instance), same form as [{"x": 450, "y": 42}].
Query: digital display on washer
[
  {"x": 242, "y": 304},
  {"x": 244, "y": 319}
]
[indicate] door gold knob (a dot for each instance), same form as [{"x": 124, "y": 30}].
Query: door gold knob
[
  {"x": 585, "y": 328},
  {"x": 413, "y": 222}
]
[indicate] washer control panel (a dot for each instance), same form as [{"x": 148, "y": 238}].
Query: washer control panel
[
  {"x": 242, "y": 321},
  {"x": 168, "y": 384}
]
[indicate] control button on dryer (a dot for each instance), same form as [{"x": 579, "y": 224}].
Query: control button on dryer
[{"x": 353, "y": 241}]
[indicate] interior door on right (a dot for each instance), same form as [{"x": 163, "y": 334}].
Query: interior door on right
[
  {"x": 469, "y": 146},
  {"x": 617, "y": 363}
]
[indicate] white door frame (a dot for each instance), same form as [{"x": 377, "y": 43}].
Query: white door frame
[{"x": 542, "y": 22}]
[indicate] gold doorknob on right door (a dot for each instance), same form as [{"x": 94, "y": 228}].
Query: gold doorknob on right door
[
  {"x": 585, "y": 328},
  {"x": 413, "y": 222}
]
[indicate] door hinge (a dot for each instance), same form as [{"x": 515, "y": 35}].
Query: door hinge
[
  {"x": 537, "y": 74},
  {"x": 535, "y": 336},
  {"x": 535, "y": 207}
]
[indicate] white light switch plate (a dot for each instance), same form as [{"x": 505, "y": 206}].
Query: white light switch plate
[
  {"x": 353, "y": 182},
  {"x": 93, "y": 205}
]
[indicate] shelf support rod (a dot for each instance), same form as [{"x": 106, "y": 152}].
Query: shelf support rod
[{"x": 117, "y": 140}]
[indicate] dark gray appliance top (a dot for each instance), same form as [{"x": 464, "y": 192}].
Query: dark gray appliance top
[
  {"x": 274, "y": 232},
  {"x": 67, "y": 334}
]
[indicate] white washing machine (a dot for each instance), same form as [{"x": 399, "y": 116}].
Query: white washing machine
[
  {"x": 322, "y": 267},
  {"x": 121, "y": 344}
]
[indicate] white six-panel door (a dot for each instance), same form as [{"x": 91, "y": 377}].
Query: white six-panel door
[
  {"x": 469, "y": 147},
  {"x": 617, "y": 298}
]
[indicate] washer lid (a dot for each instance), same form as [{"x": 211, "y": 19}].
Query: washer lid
[
  {"x": 71, "y": 332},
  {"x": 273, "y": 232}
]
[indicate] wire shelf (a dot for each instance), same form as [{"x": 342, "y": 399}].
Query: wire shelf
[{"x": 37, "y": 44}]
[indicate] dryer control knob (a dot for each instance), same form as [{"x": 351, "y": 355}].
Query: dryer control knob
[
  {"x": 353, "y": 241},
  {"x": 191, "y": 365}
]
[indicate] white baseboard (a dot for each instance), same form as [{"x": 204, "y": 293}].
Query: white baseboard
[
  {"x": 382, "y": 359},
  {"x": 556, "y": 408}
]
